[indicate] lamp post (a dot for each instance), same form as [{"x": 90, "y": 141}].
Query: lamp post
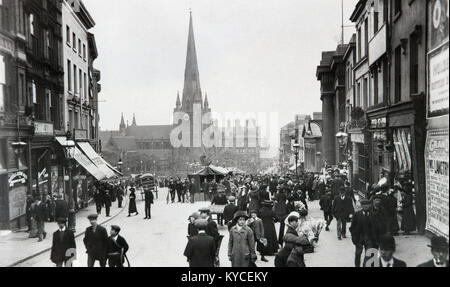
[
  {"x": 119, "y": 164},
  {"x": 296, "y": 147},
  {"x": 69, "y": 150}
]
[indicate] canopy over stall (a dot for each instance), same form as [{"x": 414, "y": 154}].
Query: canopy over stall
[{"x": 96, "y": 159}]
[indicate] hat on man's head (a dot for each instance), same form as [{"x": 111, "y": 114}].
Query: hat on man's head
[
  {"x": 387, "y": 242},
  {"x": 61, "y": 220},
  {"x": 59, "y": 196},
  {"x": 439, "y": 243},
  {"x": 240, "y": 214},
  {"x": 231, "y": 198},
  {"x": 292, "y": 218},
  {"x": 195, "y": 215},
  {"x": 204, "y": 210},
  {"x": 93, "y": 216},
  {"x": 253, "y": 211},
  {"x": 303, "y": 212},
  {"x": 116, "y": 228}
]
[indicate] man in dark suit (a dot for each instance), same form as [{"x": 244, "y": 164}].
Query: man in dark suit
[
  {"x": 439, "y": 249},
  {"x": 148, "y": 196},
  {"x": 342, "y": 209},
  {"x": 211, "y": 228},
  {"x": 61, "y": 207},
  {"x": 229, "y": 210},
  {"x": 95, "y": 240},
  {"x": 117, "y": 248},
  {"x": 63, "y": 244},
  {"x": 40, "y": 215},
  {"x": 201, "y": 248},
  {"x": 107, "y": 201},
  {"x": 387, "y": 250},
  {"x": 364, "y": 231}
]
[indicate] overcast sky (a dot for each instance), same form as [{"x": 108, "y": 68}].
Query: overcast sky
[{"x": 254, "y": 55}]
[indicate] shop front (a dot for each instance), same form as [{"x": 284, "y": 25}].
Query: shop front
[
  {"x": 379, "y": 153},
  {"x": 360, "y": 160}
]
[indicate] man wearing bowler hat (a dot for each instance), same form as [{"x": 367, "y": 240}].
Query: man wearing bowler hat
[
  {"x": 96, "y": 240},
  {"x": 386, "y": 253},
  {"x": 117, "y": 248},
  {"x": 439, "y": 249},
  {"x": 63, "y": 244}
]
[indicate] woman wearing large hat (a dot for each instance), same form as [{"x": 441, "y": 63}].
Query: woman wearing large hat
[
  {"x": 241, "y": 244},
  {"x": 268, "y": 218}
]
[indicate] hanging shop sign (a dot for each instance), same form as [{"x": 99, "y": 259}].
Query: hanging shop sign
[
  {"x": 17, "y": 177},
  {"x": 437, "y": 185},
  {"x": 43, "y": 129},
  {"x": 378, "y": 123}
]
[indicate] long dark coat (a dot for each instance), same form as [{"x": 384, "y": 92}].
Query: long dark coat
[
  {"x": 132, "y": 204},
  {"x": 61, "y": 209},
  {"x": 96, "y": 243},
  {"x": 281, "y": 209},
  {"x": 268, "y": 217},
  {"x": 117, "y": 247},
  {"x": 409, "y": 217},
  {"x": 258, "y": 231},
  {"x": 342, "y": 208},
  {"x": 201, "y": 250},
  {"x": 229, "y": 211},
  {"x": 364, "y": 229},
  {"x": 60, "y": 245},
  {"x": 241, "y": 246},
  {"x": 253, "y": 198}
]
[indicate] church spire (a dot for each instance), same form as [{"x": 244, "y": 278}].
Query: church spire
[
  {"x": 192, "y": 92},
  {"x": 134, "y": 121},
  {"x": 206, "y": 104},
  {"x": 122, "y": 126}
]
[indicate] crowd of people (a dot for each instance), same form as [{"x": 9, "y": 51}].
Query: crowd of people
[{"x": 251, "y": 205}]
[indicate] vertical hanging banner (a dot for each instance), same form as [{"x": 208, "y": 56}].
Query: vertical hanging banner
[{"x": 436, "y": 169}]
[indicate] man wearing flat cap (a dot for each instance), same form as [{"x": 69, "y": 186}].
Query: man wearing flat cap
[
  {"x": 63, "y": 244},
  {"x": 201, "y": 248},
  {"x": 117, "y": 248},
  {"x": 211, "y": 228},
  {"x": 439, "y": 249},
  {"x": 229, "y": 211},
  {"x": 96, "y": 241}
]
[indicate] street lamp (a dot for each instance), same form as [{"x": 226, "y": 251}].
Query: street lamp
[
  {"x": 69, "y": 151},
  {"x": 296, "y": 147},
  {"x": 119, "y": 164}
]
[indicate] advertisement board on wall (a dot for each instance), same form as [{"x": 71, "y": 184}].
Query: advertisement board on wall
[
  {"x": 438, "y": 59},
  {"x": 17, "y": 201},
  {"x": 437, "y": 176}
]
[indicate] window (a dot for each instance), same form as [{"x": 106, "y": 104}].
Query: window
[
  {"x": 2, "y": 84},
  {"x": 358, "y": 95},
  {"x": 75, "y": 82},
  {"x": 74, "y": 41},
  {"x": 84, "y": 51},
  {"x": 69, "y": 76},
  {"x": 46, "y": 44},
  {"x": 366, "y": 37},
  {"x": 359, "y": 43},
  {"x": 79, "y": 47},
  {"x": 21, "y": 89},
  {"x": 375, "y": 18},
  {"x": 397, "y": 7},
  {"x": 4, "y": 16},
  {"x": 68, "y": 35},
  {"x": 31, "y": 23},
  {"x": 414, "y": 65},
  {"x": 375, "y": 86},
  {"x": 80, "y": 80},
  {"x": 398, "y": 74},
  {"x": 85, "y": 87},
  {"x": 365, "y": 94}
]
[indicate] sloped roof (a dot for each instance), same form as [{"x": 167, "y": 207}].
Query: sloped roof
[
  {"x": 124, "y": 143},
  {"x": 150, "y": 132}
]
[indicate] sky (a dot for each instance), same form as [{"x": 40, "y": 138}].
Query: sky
[{"x": 253, "y": 55}]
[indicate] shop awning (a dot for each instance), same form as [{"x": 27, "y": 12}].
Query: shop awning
[
  {"x": 113, "y": 169},
  {"x": 96, "y": 159},
  {"x": 78, "y": 155}
]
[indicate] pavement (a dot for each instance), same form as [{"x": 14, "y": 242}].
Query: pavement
[
  {"x": 160, "y": 241},
  {"x": 17, "y": 247}
]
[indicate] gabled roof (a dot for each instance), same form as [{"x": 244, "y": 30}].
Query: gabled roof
[
  {"x": 123, "y": 143},
  {"x": 150, "y": 132}
]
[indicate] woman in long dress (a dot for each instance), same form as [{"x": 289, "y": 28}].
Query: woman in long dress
[
  {"x": 409, "y": 217},
  {"x": 132, "y": 205},
  {"x": 268, "y": 218},
  {"x": 281, "y": 211}
]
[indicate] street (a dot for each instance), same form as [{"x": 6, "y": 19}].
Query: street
[{"x": 160, "y": 242}]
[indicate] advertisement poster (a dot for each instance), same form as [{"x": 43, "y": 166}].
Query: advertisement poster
[
  {"x": 17, "y": 201},
  {"x": 436, "y": 169}
]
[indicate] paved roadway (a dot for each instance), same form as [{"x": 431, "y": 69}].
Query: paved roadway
[{"x": 160, "y": 242}]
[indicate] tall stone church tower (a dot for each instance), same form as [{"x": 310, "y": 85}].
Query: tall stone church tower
[{"x": 191, "y": 102}]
